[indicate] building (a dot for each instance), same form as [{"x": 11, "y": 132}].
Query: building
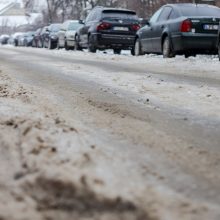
[{"x": 13, "y": 15}]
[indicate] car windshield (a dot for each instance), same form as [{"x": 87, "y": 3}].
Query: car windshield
[
  {"x": 74, "y": 26},
  {"x": 30, "y": 34},
  {"x": 119, "y": 14},
  {"x": 55, "y": 28},
  {"x": 200, "y": 11}
]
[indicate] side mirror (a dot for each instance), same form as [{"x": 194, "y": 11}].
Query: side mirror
[
  {"x": 81, "y": 22},
  {"x": 144, "y": 22}
]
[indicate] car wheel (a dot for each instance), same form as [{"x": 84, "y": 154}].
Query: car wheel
[
  {"x": 219, "y": 50},
  {"x": 66, "y": 46},
  {"x": 77, "y": 46},
  {"x": 187, "y": 55},
  {"x": 137, "y": 48},
  {"x": 117, "y": 51},
  {"x": 91, "y": 45},
  {"x": 167, "y": 51}
]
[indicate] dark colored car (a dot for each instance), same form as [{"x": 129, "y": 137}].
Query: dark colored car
[
  {"x": 42, "y": 36},
  {"x": 66, "y": 35},
  {"x": 108, "y": 28},
  {"x": 4, "y": 39},
  {"x": 15, "y": 37},
  {"x": 28, "y": 39},
  {"x": 51, "y": 36},
  {"x": 187, "y": 29},
  {"x": 36, "y": 38}
]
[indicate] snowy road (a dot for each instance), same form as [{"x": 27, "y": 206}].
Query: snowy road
[{"x": 155, "y": 124}]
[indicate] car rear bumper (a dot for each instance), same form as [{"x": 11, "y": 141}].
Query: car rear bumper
[
  {"x": 113, "y": 41},
  {"x": 193, "y": 42}
]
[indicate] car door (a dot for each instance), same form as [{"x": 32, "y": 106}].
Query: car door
[
  {"x": 89, "y": 24},
  {"x": 158, "y": 29},
  {"x": 84, "y": 30},
  {"x": 146, "y": 33}
]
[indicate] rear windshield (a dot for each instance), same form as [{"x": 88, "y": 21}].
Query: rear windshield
[
  {"x": 200, "y": 11},
  {"x": 74, "y": 26},
  {"x": 119, "y": 14}
]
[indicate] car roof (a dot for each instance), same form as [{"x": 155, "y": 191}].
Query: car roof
[{"x": 179, "y": 5}]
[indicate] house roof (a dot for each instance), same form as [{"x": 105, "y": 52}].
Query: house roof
[{"x": 13, "y": 14}]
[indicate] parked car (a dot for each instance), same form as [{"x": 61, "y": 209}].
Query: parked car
[
  {"x": 25, "y": 39},
  {"x": 14, "y": 38},
  {"x": 108, "y": 28},
  {"x": 51, "y": 36},
  {"x": 36, "y": 38},
  {"x": 187, "y": 29},
  {"x": 20, "y": 39},
  {"x": 66, "y": 35},
  {"x": 28, "y": 39},
  {"x": 42, "y": 36},
  {"x": 4, "y": 39}
]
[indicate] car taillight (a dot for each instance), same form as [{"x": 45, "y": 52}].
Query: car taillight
[
  {"x": 186, "y": 26},
  {"x": 103, "y": 26},
  {"x": 135, "y": 27}
]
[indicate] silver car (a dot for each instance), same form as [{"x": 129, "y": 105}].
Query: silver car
[{"x": 66, "y": 35}]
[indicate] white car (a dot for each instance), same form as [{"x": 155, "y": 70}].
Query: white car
[{"x": 66, "y": 35}]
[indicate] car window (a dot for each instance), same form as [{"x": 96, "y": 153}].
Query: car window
[
  {"x": 65, "y": 25},
  {"x": 90, "y": 16},
  {"x": 165, "y": 14},
  {"x": 173, "y": 15},
  {"x": 155, "y": 17},
  {"x": 119, "y": 14}
]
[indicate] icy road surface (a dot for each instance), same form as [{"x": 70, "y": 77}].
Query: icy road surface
[{"x": 108, "y": 137}]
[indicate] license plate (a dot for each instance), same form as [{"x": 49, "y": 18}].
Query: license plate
[
  {"x": 210, "y": 27},
  {"x": 120, "y": 28}
]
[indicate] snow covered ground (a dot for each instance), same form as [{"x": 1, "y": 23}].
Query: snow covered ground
[{"x": 108, "y": 137}]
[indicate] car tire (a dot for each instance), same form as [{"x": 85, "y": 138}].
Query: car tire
[
  {"x": 66, "y": 46},
  {"x": 167, "y": 51},
  {"x": 117, "y": 51},
  {"x": 77, "y": 46},
  {"x": 91, "y": 45},
  {"x": 49, "y": 45},
  {"x": 137, "y": 50}
]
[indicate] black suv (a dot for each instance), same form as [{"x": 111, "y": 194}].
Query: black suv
[{"x": 108, "y": 28}]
